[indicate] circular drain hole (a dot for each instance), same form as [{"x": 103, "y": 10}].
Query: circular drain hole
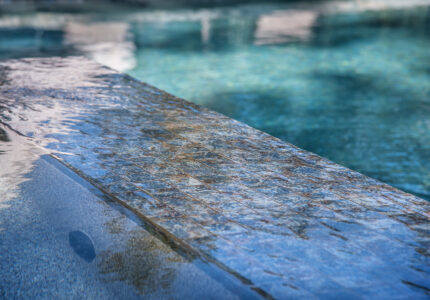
[{"x": 82, "y": 245}]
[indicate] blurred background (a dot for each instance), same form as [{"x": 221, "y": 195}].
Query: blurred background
[{"x": 346, "y": 79}]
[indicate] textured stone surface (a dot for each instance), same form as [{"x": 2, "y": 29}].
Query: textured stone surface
[
  {"x": 42, "y": 204},
  {"x": 292, "y": 223}
]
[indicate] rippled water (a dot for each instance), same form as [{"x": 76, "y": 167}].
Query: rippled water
[{"x": 349, "y": 82}]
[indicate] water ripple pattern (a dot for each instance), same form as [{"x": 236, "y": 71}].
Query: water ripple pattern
[{"x": 289, "y": 222}]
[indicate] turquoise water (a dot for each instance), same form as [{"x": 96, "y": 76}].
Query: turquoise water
[{"x": 348, "y": 82}]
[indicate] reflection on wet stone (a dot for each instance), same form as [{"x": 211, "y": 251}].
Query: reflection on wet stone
[
  {"x": 288, "y": 221},
  {"x": 35, "y": 219},
  {"x": 142, "y": 264},
  {"x": 3, "y": 136},
  {"x": 82, "y": 245}
]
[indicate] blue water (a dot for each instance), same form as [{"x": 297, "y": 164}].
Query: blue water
[{"x": 350, "y": 83}]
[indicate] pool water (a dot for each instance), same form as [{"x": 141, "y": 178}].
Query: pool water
[{"x": 348, "y": 80}]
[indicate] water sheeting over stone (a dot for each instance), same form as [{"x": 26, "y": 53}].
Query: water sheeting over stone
[{"x": 288, "y": 222}]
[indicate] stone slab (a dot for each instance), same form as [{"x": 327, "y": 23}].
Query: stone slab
[{"x": 288, "y": 222}]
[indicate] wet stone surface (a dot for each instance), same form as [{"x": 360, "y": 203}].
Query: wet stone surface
[
  {"x": 61, "y": 238},
  {"x": 290, "y": 222}
]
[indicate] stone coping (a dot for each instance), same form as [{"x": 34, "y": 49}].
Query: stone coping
[{"x": 288, "y": 222}]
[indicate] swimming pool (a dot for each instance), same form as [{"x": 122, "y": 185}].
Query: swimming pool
[{"x": 347, "y": 80}]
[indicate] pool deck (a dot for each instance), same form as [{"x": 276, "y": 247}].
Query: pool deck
[{"x": 285, "y": 221}]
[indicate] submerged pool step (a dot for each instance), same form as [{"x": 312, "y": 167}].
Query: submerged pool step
[{"x": 288, "y": 221}]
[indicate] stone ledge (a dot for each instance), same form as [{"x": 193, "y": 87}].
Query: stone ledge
[{"x": 292, "y": 223}]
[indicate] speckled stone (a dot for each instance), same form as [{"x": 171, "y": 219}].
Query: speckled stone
[{"x": 291, "y": 223}]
